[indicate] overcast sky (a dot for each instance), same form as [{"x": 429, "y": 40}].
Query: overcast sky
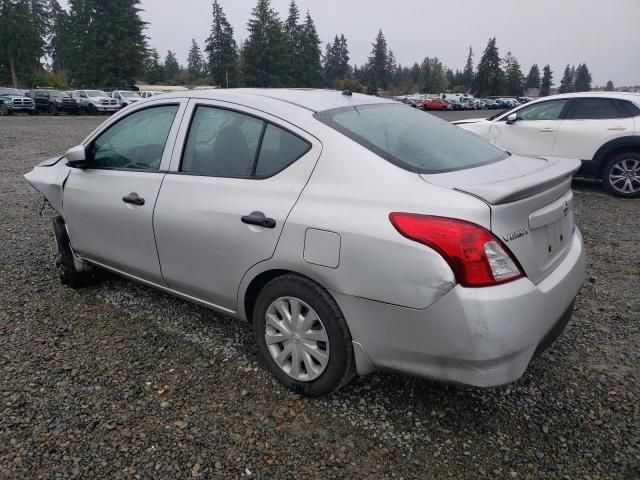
[{"x": 603, "y": 33}]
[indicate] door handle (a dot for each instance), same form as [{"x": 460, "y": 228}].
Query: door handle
[
  {"x": 133, "y": 198},
  {"x": 547, "y": 130},
  {"x": 617, "y": 129},
  {"x": 259, "y": 219}
]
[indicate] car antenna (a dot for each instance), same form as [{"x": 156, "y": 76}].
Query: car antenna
[{"x": 349, "y": 91}]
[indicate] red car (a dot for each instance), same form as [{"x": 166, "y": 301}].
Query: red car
[{"x": 435, "y": 104}]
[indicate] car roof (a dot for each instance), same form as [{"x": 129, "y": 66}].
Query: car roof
[
  {"x": 635, "y": 97},
  {"x": 314, "y": 100}
]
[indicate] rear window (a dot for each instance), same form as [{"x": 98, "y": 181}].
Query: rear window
[{"x": 412, "y": 139}]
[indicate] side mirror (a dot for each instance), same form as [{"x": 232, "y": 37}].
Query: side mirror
[
  {"x": 77, "y": 157},
  {"x": 513, "y": 118}
]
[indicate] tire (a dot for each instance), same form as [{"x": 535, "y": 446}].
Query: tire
[
  {"x": 621, "y": 175},
  {"x": 53, "y": 109},
  {"x": 67, "y": 271},
  {"x": 91, "y": 109},
  {"x": 338, "y": 370}
]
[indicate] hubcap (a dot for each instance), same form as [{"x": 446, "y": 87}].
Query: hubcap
[
  {"x": 625, "y": 176},
  {"x": 296, "y": 339}
]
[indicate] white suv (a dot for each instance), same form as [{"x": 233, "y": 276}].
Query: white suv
[{"x": 600, "y": 128}]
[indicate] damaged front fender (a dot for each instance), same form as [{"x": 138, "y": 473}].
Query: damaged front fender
[{"x": 49, "y": 178}]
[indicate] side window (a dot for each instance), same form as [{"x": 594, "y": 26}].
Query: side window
[
  {"x": 595, "y": 108},
  {"x": 550, "y": 110},
  {"x": 83, "y": 95},
  {"x": 631, "y": 108},
  {"x": 279, "y": 150},
  {"x": 221, "y": 143},
  {"x": 136, "y": 142}
]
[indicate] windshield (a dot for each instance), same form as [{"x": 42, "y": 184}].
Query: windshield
[
  {"x": 58, "y": 94},
  {"x": 129, "y": 94},
  {"x": 411, "y": 139},
  {"x": 9, "y": 91},
  {"x": 96, "y": 93}
]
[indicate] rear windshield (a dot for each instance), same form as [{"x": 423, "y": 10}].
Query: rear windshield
[{"x": 410, "y": 138}]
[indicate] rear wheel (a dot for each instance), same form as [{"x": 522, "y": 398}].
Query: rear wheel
[
  {"x": 303, "y": 337},
  {"x": 621, "y": 175},
  {"x": 67, "y": 271}
]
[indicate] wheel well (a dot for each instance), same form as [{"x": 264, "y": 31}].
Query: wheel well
[
  {"x": 258, "y": 284},
  {"x": 602, "y": 157}
]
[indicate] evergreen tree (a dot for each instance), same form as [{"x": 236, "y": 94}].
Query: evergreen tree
[
  {"x": 264, "y": 59},
  {"x": 310, "y": 55},
  {"x": 609, "y": 87},
  {"x": 432, "y": 76},
  {"x": 60, "y": 47},
  {"x": 107, "y": 42},
  {"x": 293, "y": 37},
  {"x": 582, "y": 81},
  {"x": 23, "y": 28},
  {"x": 547, "y": 81},
  {"x": 467, "y": 73},
  {"x": 336, "y": 62},
  {"x": 377, "y": 74},
  {"x": 533, "y": 79},
  {"x": 195, "y": 62},
  {"x": 154, "y": 72},
  {"x": 171, "y": 67},
  {"x": 392, "y": 69},
  {"x": 222, "y": 51},
  {"x": 489, "y": 76},
  {"x": 514, "y": 80},
  {"x": 567, "y": 83}
]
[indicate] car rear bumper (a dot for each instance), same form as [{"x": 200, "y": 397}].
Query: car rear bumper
[{"x": 483, "y": 337}]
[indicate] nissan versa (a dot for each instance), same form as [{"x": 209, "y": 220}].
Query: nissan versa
[{"x": 353, "y": 233}]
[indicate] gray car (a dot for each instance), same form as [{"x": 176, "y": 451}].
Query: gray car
[{"x": 353, "y": 233}]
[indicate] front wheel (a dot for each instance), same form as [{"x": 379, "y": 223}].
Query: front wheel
[
  {"x": 67, "y": 271},
  {"x": 53, "y": 109},
  {"x": 303, "y": 336},
  {"x": 91, "y": 109},
  {"x": 621, "y": 175}
]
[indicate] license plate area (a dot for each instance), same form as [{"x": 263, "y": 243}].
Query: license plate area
[{"x": 552, "y": 229}]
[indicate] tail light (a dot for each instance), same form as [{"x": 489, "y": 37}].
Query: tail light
[{"x": 476, "y": 256}]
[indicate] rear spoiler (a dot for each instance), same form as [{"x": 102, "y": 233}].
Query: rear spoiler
[{"x": 514, "y": 189}]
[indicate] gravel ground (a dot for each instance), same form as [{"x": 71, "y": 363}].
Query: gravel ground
[{"x": 120, "y": 381}]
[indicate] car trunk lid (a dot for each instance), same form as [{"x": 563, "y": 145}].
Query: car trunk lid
[{"x": 531, "y": 206}]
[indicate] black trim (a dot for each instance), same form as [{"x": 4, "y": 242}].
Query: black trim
[
  {"x": 555, "y": 331},
  {"x": 605, "y": 150},
  {"x": 266, "y": 123}
]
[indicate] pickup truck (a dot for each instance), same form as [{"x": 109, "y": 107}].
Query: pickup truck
[
  {"x": 13, "y": 101},
  {"x": 95, "y": 101},
  {"x": 54, "y": 102},
  {"x": 125, "y": 97}
]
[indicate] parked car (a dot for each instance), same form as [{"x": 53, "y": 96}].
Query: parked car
[
  {"x": 54, "y": 102},
  {"x": 455, "y": 104},
  {"x": 95, "y": 101},
  {"x": 602, "y": 129},
  {"x": 353, "y": 233},
  {"x": 149, "y": 94},
  {"x": 13, "y": 101},
  {"x": 125, "y": 97},
  {"x": 435, "y": 104}
]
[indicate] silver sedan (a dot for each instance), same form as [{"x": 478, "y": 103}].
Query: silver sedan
[{"x": 353, "y": 233}]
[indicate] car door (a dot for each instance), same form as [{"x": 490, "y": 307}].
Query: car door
[
  {"x": 108, "y": 206},
  {"x": 226, "y": 197},
  {"x": 534, "y": 132},
  {"x": 590, "y": 123}
]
